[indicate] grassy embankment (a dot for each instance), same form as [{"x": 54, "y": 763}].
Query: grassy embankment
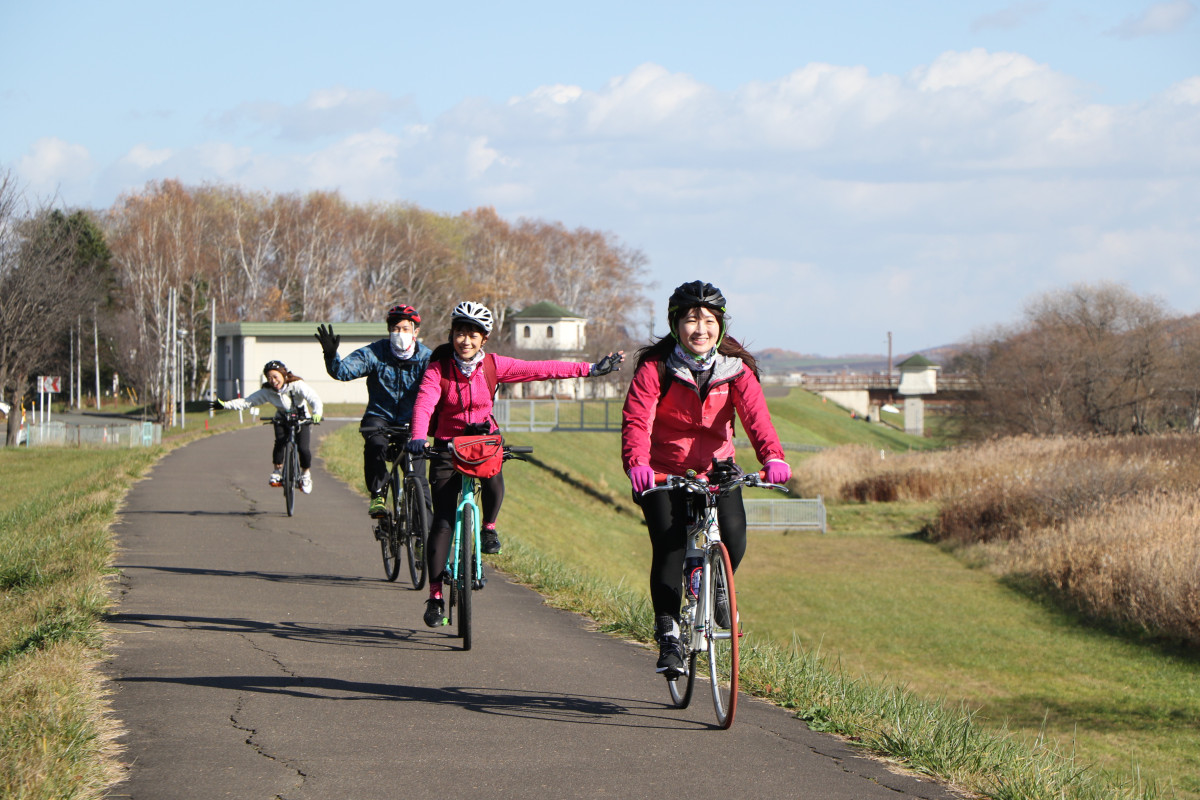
[
  {"x": 56, "y": 555},
  {"x": 870, "y": 631}
]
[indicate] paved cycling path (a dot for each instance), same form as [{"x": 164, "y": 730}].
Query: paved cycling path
[{"x": 261, "y": 656}]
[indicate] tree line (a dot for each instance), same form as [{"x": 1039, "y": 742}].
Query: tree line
[
  {"x": 262, "y": 257},
  {"x": 1089, "y": 359}
]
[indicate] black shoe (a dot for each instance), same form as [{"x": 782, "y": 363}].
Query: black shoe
[
  {"x": 491, "y": 541},
  {"x": 434, "y": 612},
  {"x": 721, "y": 612},
  {"x": 670, "y": 657}
]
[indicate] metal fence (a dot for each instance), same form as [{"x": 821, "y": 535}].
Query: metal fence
[
  {"x": 558, "y": 415},
  {"x": 786, "y": 514},
  {"x": 126, "y": 434}
]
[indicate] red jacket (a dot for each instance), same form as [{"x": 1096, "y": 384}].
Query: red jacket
[{"x": 683, "y": 432}]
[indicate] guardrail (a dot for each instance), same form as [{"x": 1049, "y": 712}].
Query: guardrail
[
  {"x": 126, "y": 434},
  {"x": 786, "y": 514}
]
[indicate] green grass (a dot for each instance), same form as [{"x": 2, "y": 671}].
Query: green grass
[
  {"x": 808, "y": 418},
  {"x": 55, "y": 549}
]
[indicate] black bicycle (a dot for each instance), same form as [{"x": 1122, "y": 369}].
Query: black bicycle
[
  {"x": 405, "y": 528},
  {"x": 290, "y": 471}
]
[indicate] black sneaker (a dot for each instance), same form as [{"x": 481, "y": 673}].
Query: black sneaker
[
  {"x": 721, "y": 612},
  {"x": 670, "y": 657},
  {"x": 434, "y": 612},
  {"x": 491, "y": 541}
]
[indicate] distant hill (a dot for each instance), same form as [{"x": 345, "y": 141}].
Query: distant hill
[{"x": 774, "y": 360}]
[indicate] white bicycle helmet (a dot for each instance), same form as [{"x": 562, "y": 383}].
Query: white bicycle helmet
[{"x": 474, "y": 313}]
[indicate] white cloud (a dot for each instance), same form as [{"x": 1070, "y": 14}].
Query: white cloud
[
  {"x": 928, "y": 203},
  {"x": 1156, "y": 20},
  {"x": 54, "y": 167}
]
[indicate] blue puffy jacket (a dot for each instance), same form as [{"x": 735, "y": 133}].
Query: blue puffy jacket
[{"x": 391, "y": 383}]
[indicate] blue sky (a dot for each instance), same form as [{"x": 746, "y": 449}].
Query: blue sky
[{"x": 840, "y": 169}]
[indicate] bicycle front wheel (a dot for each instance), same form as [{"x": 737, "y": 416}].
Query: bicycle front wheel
[
  {"x": 466, "y": 574},
  {"x": 416, "y": 530},
  {"x": 291, "y": 471},
  {"x": 721, "y": 632}
]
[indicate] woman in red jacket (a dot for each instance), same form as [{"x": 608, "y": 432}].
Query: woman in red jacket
[{"x": 684, "y": 424}]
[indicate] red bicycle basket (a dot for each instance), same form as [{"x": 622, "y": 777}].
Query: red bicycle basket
[{"x": 478, "y": 456}]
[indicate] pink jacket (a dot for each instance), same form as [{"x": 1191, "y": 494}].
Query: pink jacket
[
  {"x": 469, "y": 400},
  {"x": 683, "y": 432}
]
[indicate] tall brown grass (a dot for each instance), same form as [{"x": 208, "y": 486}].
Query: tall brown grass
[{"x": 1110, "y": 525}]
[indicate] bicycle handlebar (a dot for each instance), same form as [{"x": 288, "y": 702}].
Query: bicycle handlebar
[{"x": 700, "y": 483}]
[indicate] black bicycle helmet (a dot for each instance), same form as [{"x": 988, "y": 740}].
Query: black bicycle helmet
[
  {"x": 690, "y": 295},
  {"x": 276, "y": 365}
]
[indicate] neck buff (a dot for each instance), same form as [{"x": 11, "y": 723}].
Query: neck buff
[
  {"x": 467, "y": 367},
  {"x": 403, "y": 345},
  {"x": 696, "y": 363}
]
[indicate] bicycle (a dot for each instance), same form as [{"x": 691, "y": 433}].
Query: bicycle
[
  {"x": 464, "y": 566},
  {"x": 706, "y": 624},
  {"x": 290, "y": 471},
  {"x": 405, "y": 529}
]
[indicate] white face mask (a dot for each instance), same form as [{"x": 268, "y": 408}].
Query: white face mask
[{"x": 402, "y": 340}]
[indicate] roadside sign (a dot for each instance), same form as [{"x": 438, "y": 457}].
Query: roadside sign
[{"x": 49, "y": 384}]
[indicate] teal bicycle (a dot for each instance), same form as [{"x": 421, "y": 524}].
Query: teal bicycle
[{"x": 464, "y": 565}]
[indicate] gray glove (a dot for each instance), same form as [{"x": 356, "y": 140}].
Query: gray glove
[{"x": 607, "y": 364}]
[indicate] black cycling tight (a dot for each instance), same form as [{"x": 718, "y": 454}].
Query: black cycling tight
[{"x": 666, "y": 516}]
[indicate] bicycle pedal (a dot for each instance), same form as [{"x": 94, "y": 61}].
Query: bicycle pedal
[{"x": 478, "y": 583}]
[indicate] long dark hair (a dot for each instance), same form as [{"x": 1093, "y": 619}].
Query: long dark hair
[{"x": 729, "y": 346}]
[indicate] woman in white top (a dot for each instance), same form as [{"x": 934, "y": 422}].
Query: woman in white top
[{"x": 287, "y": 392}]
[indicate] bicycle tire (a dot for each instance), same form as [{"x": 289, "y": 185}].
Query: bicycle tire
[
  {"x": 722, "y": 643},
  {"x": 682, "y": 697},
  {"x": 289, "y": 477},
  {"x": 416, "y": 530},
  {"x": 466, "y": 574}
]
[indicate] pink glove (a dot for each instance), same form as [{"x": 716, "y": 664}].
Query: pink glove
[
  {"x": 778, "y": 472},
  {"x": 642, "y": 478}
]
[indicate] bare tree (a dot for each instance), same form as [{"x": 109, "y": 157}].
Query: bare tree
[{"x": 1088, "y": 359}]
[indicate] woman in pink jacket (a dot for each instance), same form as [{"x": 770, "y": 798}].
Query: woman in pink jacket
[
  {"x": 466, "y": 408},
  {"x": 678, "y": 416}
]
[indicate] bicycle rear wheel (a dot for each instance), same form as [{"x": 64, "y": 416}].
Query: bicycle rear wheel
[
  {"x": 681, "y": 696},
  {"x": 722, "y": 641},
  {"x": 291, "y": 471},
  {"x": 416, "y": 530},
  {"x": 466, "y": 574}
]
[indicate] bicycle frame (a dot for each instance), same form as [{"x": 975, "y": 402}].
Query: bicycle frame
[{"x": 466, "y": 497}]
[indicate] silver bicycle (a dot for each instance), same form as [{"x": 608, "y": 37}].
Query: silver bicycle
[{"x": 708, "y": 621}]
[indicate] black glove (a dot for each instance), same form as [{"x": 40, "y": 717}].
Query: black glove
[
  {"x": 216, "y": 405},
  {"x": 723, "y": 471},
  {"x": 329, "y": 342},
  {"x": 415, "y": 446},
  {"x": 607, "y": 364}
]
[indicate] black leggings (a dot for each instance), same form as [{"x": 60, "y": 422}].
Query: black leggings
[
  {"x": 302, "y": 439},
  {"x": 445, "y": 481},
  {"x": 667, "y": 518},
  {"x": 375, "y": 445}
]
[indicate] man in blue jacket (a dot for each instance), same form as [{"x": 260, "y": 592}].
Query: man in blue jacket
[{"x": 393, "y": 367}]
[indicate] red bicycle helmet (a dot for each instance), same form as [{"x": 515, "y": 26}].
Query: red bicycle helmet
[{"x": 397, "y": 313}]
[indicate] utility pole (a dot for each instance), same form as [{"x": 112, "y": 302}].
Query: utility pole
[{"x": 889, "y": 358}]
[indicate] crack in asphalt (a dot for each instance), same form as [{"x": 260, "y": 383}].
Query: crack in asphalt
[{"x": 251, "y": 733}]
